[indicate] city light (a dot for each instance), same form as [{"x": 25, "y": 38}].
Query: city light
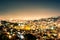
[{"x": 43, "y": 29}]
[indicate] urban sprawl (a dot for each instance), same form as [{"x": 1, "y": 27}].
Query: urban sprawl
[{"x": 42, "y": 29}]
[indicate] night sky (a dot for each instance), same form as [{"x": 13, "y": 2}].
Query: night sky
[{"x": 29, "y": 9}]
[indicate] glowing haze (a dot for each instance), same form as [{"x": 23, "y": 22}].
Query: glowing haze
[
  {"x": 28, "y": 11},
  {"x": 27, "y": 14}
]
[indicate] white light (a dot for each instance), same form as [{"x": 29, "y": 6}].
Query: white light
[
  {"x": 10, "y": 36},
  {"x": 19, "y": 24},
  {"x": 52, "y": 27},
  {"x": 8, "y": 33},
  {"x": 18, "y": 32},
  {"x": 21, "y": 36},
  {"x": 55, "y": 34},
  {"x": 13, "y": 34}
]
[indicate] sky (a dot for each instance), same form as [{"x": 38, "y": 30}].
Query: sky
[{"x": 29, "y": 9}]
